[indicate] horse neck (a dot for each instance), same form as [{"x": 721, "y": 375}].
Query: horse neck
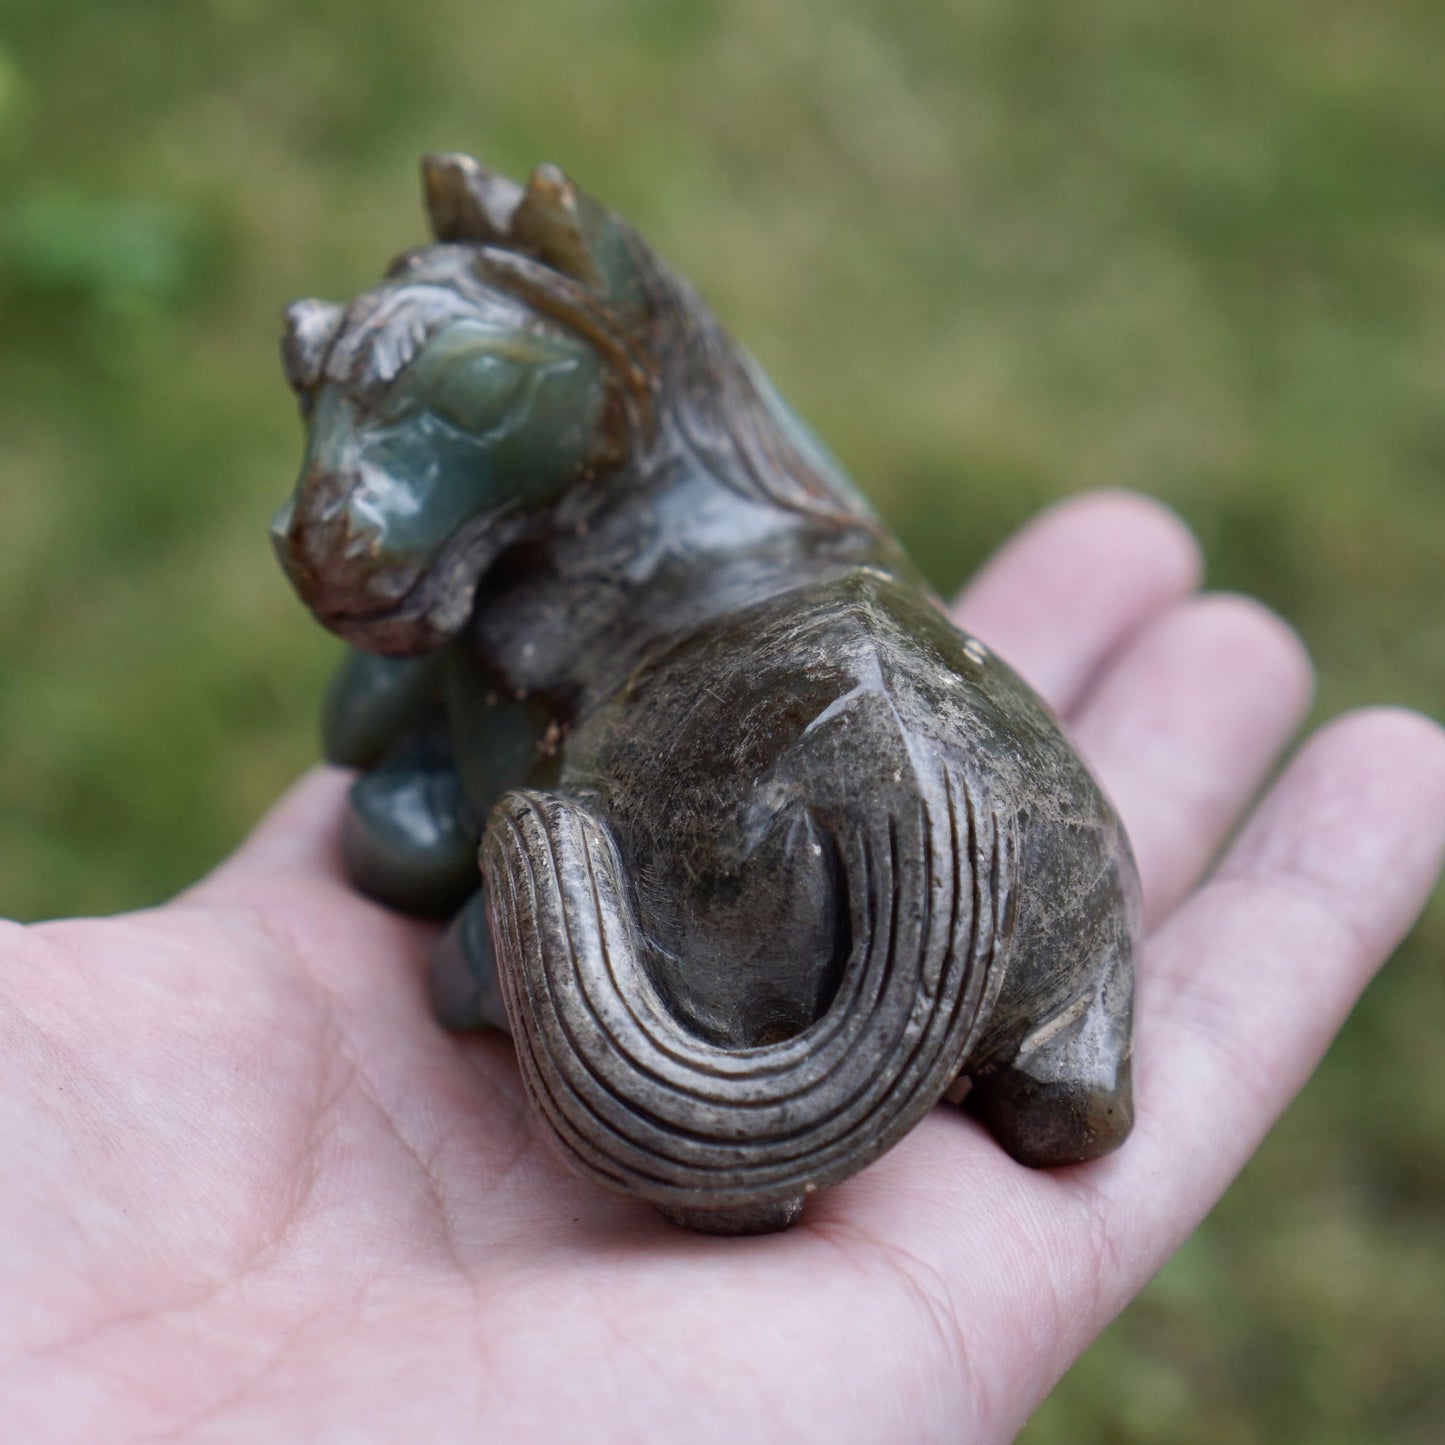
[
  {"x": 656, "y": 553},
  {"x": 725, "y": 501}
]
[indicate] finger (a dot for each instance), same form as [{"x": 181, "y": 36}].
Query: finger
[
  {"x": 1183, "y": 725},
  {"x": 299, "y": 841},
  {"x": 1250, "y": 981},
  {"x": 1063, "y": 594},
  {"x": 1252, "y": 978}
]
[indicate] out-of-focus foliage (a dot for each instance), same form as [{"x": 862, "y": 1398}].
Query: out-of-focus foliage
[{"x": 996, "y": 253}]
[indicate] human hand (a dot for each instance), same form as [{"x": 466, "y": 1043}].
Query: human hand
[{"x": 253, "y": 1192}]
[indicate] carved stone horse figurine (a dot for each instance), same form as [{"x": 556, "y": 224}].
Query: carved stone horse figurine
[{"x": 772, "y": 856}]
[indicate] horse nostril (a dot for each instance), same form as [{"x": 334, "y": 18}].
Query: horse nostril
[
  {"x": 333, "y": 537},
  {"x": 315, "y": 524},
  {"x": 334, "y": 552},
  {"x": 359, "y": 543}
]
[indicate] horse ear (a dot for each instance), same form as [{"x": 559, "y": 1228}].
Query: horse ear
[
  {"x": 310, "y": 328},
  {"x": 467, "y": 202},
  {"x": 551, "y": 222}
]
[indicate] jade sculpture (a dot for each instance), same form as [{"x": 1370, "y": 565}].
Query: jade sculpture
[{"x": 755, "y": 855}]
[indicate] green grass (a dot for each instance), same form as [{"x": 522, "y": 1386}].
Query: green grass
[{"x": 995, "y": 252}]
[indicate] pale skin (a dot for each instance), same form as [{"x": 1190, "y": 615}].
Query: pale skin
[{"x": 252, "y": 1192}]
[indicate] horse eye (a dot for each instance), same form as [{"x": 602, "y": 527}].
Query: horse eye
[{"x": 478, "y": 392}]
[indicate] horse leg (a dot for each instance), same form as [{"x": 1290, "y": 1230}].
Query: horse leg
[
  {"x": 440, "y": 745},
  {"x": 1066, "y": 1095},
  {"x": 462, "y": 977},
  {"x": 411, "y": 836},
  {"x": 373, "y": 702}
]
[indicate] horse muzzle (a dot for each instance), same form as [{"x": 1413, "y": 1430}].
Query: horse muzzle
[{"x": 335, "y": 556}]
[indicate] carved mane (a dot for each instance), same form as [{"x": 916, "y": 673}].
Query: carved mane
[{"x": 710, "y": 396}]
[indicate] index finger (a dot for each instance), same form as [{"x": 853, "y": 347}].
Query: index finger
[{"x": 1060, "y": 597}]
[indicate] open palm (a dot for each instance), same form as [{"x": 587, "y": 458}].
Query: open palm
[{"x": 253, "y": 1192}]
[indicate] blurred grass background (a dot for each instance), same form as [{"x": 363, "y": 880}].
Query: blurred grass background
[{"x": 996, "y": 252}]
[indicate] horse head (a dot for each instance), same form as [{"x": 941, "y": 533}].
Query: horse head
[
  {"x": 512, "y": 365},
  {"x": 450, "y": 408}
]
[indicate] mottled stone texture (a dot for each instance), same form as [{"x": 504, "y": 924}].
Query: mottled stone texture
[{"x": 770, "y": 853}]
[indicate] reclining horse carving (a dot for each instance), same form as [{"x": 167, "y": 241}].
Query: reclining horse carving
[{"x": 772, "y": 856}]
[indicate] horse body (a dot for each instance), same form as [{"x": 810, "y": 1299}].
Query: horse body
[{"x": 773, "y": 854}]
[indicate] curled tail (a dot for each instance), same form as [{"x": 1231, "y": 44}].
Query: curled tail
[{"x": 726, "y": 1136}]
